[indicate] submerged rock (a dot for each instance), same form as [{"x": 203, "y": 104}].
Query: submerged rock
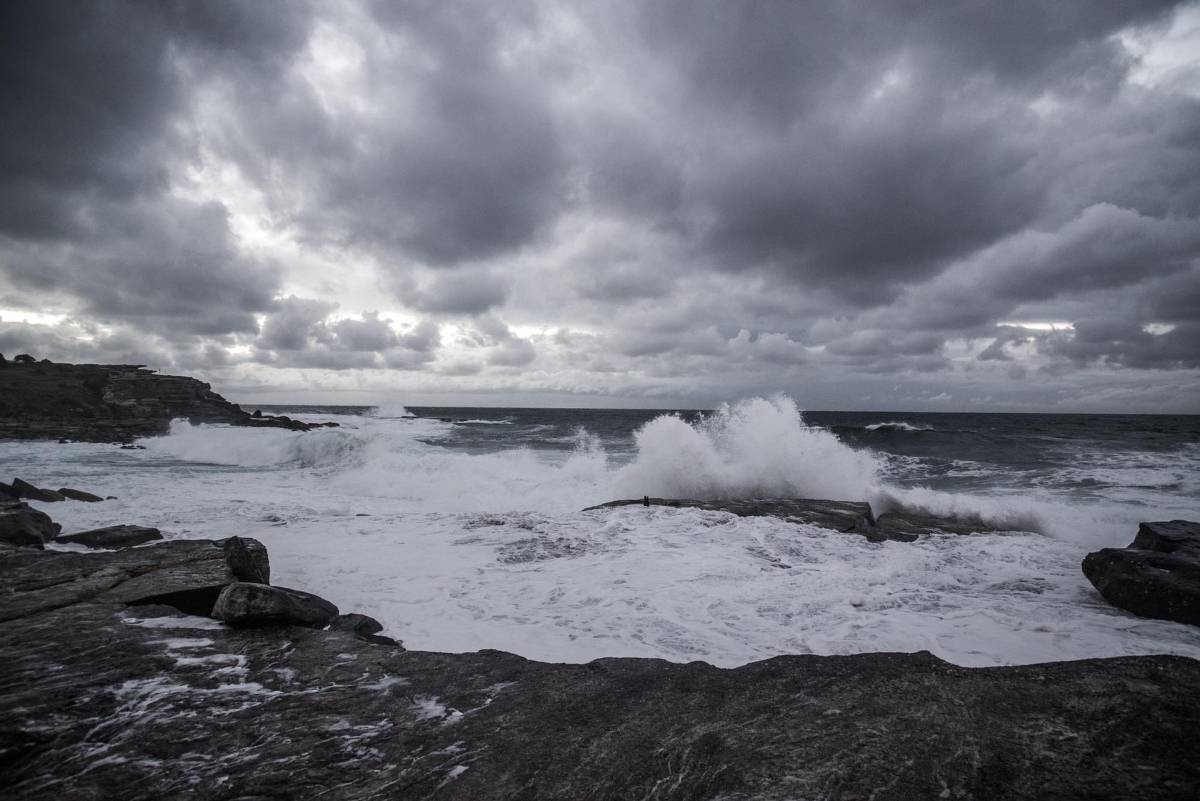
[
  {"x": 113, "y": 536},
  {"x": 250, "y": 604},
  {"x": 1157, "y": 575},
  {"x": 79, "y": 495},
  {"x": 903, "y": 525}
]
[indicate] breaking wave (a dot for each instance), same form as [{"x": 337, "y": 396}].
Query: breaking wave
[
  {"x": 255, "y": 447},
  {"x": 754, "y": 448},
  {"x": 896, "y": 425}
]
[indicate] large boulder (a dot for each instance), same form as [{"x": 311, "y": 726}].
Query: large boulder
[
  {"x": 28, "y": 491},
  {"x": 1157, "y": 576},
  {"x": 113, "y": 536},
  {"x": 24, "y": 526},
  {"x": 249, "y": 604}
]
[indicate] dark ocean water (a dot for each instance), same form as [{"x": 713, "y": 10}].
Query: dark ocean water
[{"x": 1083, "y": 455}]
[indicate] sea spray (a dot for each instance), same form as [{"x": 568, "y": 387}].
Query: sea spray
[
  {"x": 754, "y": 448},
  {"x": 256, "y": 447}
]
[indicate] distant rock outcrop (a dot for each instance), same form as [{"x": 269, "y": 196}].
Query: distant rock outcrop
[
  {"x": 109, "y": 403},
  {"x": 1157, "y": 575}
]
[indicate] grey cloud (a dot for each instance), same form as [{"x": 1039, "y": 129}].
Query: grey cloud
[
  {"x": 1128, "y": 343},
  {"x": 462, "y": 292},
  {"x": 300, "y": 333},
  {"x": 95, "y": 92}
]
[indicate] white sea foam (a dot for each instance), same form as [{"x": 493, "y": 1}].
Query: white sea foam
[
  {"x": 390, "y": 410},
  {"x": 755, "y": 448},
  {"x": 254, "y": 447},
  {"x": 460, "y": 551}
]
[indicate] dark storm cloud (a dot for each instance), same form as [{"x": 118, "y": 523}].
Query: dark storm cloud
[
  {"x": 458, "y": 159},
  {"x": 90, "y": 94},
  {"x": 875, "y": 143},
  {"x": 706, "y": 188}
]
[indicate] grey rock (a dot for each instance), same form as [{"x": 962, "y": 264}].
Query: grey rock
[
  {"x": 250, "y": 604},
  {"x": 111, "y": 403},
  {"x": 79, "y": 495},
  {"x": 247, "y": 559},
  {"x": 113, "y": 536},
  {"x": 848, "y": 516},
  {"x": 8, "y": 492},
  {"x": 24, "y": 526},
  {"x": 1157, "y": 575},
  {"x": 142, "y": 704},
  {"x": 356, "y": 623},
  {"x": 853, "y": 517},
  {"x": 28, "y": 491},
  {"x": 908, "y": 524},
  {"x": 185, "y": 574}
]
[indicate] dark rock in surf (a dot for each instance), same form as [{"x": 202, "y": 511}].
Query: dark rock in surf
[
  {"x": 113, "y": 536},
  {"x": 29, "y": 492},
  {"x": 8, "y": 492},
  {"x": 79, "y": 495},
  {"x": 838, "y": 515},
  {"x": 907, "y": 525},
  {"x": 1157, "y": 575},
  {"x": 851, "y": 517},
  {"x": 24, "y": 526},
  {"x": 357, "y": 623},
  {"x": 249, "y": 604}
]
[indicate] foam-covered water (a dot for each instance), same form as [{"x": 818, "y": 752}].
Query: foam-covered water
[{"x": 462, "y": 529}]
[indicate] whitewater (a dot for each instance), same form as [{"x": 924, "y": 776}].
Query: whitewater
[{"x": 456, "y": 541}]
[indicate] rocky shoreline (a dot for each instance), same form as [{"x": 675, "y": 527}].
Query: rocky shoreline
[
  {"x": 110, "y": 403},
  {"x": 139, "y": 667},
  {"x": 176, "y": 670}
]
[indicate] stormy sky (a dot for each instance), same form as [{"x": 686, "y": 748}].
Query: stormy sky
[{"x": 960, "y": 206}]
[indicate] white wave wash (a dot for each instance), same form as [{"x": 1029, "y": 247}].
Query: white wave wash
[
  {"x": 454, "y": 551},
  {"x": 897, "y": 425}
]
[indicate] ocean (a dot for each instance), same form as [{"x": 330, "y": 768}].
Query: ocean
[{"x": 461, "y": 528}]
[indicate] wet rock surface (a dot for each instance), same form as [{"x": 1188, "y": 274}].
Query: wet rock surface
[
  {"x": 110, "y": 403},
  {"x": 149, "y": 704},
  {"x": 113, "y": 536},
  {"x": 856, "y": 517},
  {"x": 1157, "y": 575},
  {"x": 109, "y": 690},
  {"x": 252, "y": 604},
  {"x": 79, "y": 495},
  {"x": 23, "y": 526},
  {"x": 27, "y": 491}
]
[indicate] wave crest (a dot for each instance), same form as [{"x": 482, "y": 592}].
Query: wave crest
[
  {"x": 255, "y": 447},
  {"x": 754, "y": 448}
]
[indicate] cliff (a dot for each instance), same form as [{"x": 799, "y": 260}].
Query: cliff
[{"x": 108, "y": 402}]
